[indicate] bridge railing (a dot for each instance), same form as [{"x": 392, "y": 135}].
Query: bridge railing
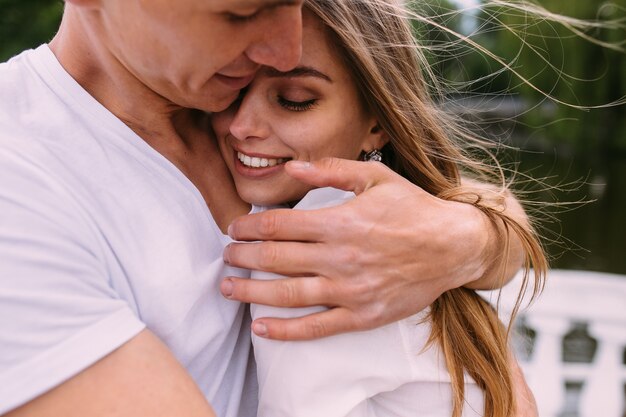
[{"x": 571, "y": 343}]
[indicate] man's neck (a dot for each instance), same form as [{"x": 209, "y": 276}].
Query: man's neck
[
  {"x": 87, "y": 59},
  {"x": 179, "y": 134}
]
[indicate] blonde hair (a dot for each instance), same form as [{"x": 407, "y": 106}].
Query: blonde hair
[{"x": 429, "y": 148}]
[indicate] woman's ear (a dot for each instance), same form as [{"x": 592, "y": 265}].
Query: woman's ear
[{"x": 376, "y": 138}]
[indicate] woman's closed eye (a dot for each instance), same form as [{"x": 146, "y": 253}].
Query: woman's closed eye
[{"x": 293, "y": 105}]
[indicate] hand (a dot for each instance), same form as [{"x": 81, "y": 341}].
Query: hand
[{"x": 381, "y": 257}]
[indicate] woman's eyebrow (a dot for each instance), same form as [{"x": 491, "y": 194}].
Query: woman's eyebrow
[{"x": 301, "y": 71}]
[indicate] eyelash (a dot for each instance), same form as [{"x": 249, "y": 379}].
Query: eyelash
[
  {"x": 237, "y": 18},
  {"x": 296, "y": 105}
]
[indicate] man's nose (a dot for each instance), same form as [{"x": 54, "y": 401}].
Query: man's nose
[{"x": 281, "y": 43}]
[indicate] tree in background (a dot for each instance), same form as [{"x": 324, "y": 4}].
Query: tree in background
[
  {"x": 26, "y": 24},
  {"x": 555, "y": 60},
  {"x": 575, "y": 71}
]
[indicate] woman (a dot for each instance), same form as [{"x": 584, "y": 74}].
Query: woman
[{"x": 358, "y": 92}]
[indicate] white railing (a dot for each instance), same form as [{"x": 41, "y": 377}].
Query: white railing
[{"x": 574, "y": 302}]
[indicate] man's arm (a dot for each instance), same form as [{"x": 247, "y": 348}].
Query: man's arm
[
  {"x": 499, "y": 270},
  {"x": 141, "y": 378},
  {"x": 381, "y": 257}
]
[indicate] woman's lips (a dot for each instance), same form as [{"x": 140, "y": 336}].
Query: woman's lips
[
  {"x": 259, "y": 162},
  {"x": 236, "y": 83},
  {"x": 257, "y": 166}
]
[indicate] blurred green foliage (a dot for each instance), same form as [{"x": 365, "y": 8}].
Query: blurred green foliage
[
  {"x": 577, "y": 72},
  {"x": 555, "y": 60},
  {"x": 26, "y": 24}
]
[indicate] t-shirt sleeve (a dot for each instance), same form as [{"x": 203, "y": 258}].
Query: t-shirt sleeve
[{"x": 58, "y": 311}]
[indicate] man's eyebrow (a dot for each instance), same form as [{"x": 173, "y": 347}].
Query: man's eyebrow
[{"x": 301, "y": 71}]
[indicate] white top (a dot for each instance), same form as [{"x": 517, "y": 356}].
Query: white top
[
  {"x": 383, "y": 372},
  {"x": 101, "y": 236}
]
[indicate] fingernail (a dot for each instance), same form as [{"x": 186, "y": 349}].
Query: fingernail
[
  {"x": 229, "y": 231},
  {"x": 227, "y": 288},
  {"x": 260, "y": 329},
  {"x": 300, "y": 165},
  {"x": 225, "y": 255}
]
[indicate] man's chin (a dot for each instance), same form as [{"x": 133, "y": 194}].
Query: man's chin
[{"x": 218, "y": 104}]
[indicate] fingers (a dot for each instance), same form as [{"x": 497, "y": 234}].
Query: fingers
[
  {"x": 327, "y": 323},
  {"x": 286, "y": 258},
  {"x": 295, "y": 225},
  {"x": 286, "y": 292},
  {"x": 343, "y": 174}
]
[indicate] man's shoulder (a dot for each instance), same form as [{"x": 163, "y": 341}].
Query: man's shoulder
[
  {"x": 15, "y": 75},
  {"x": 22, "y": 94}
]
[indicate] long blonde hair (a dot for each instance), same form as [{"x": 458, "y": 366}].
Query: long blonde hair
[{"x": 429, "y": 148}]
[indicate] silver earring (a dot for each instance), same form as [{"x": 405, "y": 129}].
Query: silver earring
[{"x": 374, "y": 155}]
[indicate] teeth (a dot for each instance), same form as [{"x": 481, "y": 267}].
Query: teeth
[{"x": 255, "y": 162}]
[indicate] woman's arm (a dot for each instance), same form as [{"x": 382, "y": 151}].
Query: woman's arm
[{"x": 381, "y": 257}]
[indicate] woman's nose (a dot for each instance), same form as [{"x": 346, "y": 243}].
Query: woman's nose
[{"x": 249, "y": 121}]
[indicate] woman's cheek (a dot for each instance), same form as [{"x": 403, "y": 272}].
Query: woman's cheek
[{"x": 220, "y": 123}]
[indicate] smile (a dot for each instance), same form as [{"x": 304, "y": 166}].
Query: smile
[{"x": 256, "y": 162}]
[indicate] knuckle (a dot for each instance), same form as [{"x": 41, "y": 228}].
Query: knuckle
[
  {"x": 268, "y": 225},
  {"x": 268, "y": 256},
  {"x": 286, "y": 293},
  {"x": 348, "y": 256},
  {"x": 363, "y": 295},
  {"x": 316, "y": 329},
  {"x": 349, "y": 216},
  {"x": 326, "y": 289},
  {"x": 335, "y": 165},
  {"x": 330, "y": 162},
  {"x": 374, "y": 315}
]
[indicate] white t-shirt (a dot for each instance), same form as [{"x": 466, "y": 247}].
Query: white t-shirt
[
  {"x": 101, "y": 236},
  {"x": 385, "y": 372}
]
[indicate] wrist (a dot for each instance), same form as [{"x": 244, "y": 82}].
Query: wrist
[{"x": 482, "y": 234}]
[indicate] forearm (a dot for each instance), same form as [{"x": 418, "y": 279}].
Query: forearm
[{"x": 141, "y": 378}]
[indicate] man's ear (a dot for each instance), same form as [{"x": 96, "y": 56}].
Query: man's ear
[{"x": 376, "y": 138}]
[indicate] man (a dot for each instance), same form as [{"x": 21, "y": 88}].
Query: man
[{"x": 111, "y": 196}]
